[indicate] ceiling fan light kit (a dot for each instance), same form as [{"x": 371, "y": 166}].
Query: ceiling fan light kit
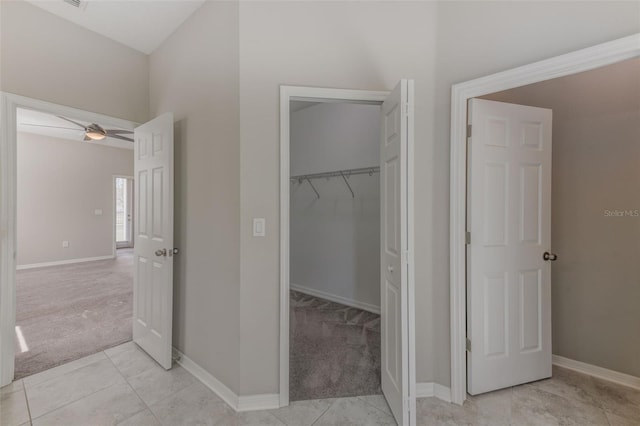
[{"x": 95, "y": 133}]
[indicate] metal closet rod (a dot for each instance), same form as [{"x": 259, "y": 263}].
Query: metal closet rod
[{"x": 344, "y": 174}]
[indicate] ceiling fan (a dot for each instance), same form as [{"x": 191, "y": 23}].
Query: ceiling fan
[{"x": 92, "y": 131}]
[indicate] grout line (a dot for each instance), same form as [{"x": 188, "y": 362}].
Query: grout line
[
  {"x": 75, "y": 400},
  {"x": 24, "y": 390},
  {"x": 324, "y": 412},
  {"x": 82, "y": 397},
  {"x": 361, "y": 398}
]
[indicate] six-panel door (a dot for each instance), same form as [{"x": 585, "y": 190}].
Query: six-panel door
[{"x": 509, "y": 218}]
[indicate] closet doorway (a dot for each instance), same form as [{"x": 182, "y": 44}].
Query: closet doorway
[{"x": 346, "y": 241}]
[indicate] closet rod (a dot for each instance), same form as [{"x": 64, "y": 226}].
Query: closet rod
[{"x": 338, "y": 173}]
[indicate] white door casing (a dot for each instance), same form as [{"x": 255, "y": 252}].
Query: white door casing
[
  {"x": 153, "y": 247},
  {"x": 509, "y": 220},
  {"x": 397, "y": 369}
]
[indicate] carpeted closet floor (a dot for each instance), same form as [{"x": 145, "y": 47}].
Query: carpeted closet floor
[
  {"x": 334, "y": 350},
  {"x": 67, "y": 312}
]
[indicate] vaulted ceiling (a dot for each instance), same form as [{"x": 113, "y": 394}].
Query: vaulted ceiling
[{"x": 140, "y": 24}]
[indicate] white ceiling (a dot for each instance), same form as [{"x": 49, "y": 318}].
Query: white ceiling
[
  {"x": 140, "y": 24},
  {"x": 44, "y": 124}
]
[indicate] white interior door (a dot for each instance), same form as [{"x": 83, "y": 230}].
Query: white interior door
[
  {"x": 153, "y": 248},
  {"x": 509, "y": 220},
  {"x": 398, "y": 358}
]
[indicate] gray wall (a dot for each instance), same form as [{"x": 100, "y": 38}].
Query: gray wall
[
  {"x": 479, "y": 38},
  {"x": 227, "y": 309},
  {"x": 194, "y": 74},
  {"x": 596, "y": 168},
  {"x": 60, "y": 184},
  {"x": 335, "y": 240},
  {"x": 46, "y": 57},
  {"x": 341, "y": 44}
]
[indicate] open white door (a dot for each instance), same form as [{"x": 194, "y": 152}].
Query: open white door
[
  {"x": 398, "y": 358},
  {"x": 153, "y": 248},
  {"x": 509, "y": 218}
]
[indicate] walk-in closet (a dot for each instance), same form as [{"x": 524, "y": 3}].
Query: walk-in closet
[{"x": 334, "y": 249}]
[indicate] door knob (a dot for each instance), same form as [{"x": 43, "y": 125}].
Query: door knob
[
  {"x": 390, "y": 269},
  {"x": 550, "y": 256},
  {"x": 162, "y": 252}
]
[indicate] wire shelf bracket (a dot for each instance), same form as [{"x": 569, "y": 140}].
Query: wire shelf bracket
[{"x": 344, "y": 174}]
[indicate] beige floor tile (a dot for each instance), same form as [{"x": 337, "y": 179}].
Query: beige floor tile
[
  {"x": 108, "y": 406},
  {"x": 378, "y": 401},
  {"x": 302, "y": 413},
  {"x": 157, "y": 383},
  {"x": 617, "y": 399},
  {"x": 492, "y": 409},
  {"x": 615, "y": 420},
  {"x": 59, "y": 391},
  {"x": 532, "y": 406},
  {"x": 62, "y": 369},
  {"x": 143, "y": 418},
  {"x": 130, "y": 360},
  {"x": 255, "y": 418},
  {"x": 570, "y": 384},
  {"x": 354, "y": 412},
  {"x": 194, "y": 405},
  {"x": 13, "y": 408},
  {"x": 12, "y": 387},
  {"x": 120, "y": 348}
]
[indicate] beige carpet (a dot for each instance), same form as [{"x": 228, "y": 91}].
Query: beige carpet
[
  {"x": 70, "y": 311},
  {"x": 334, "y": 350}
]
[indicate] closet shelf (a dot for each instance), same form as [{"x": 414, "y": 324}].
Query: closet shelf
[{"x": 344, "y": 174}]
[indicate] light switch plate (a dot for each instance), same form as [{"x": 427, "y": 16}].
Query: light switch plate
[
  {"x": 259, "y": 227},
  {"x": 65, "y": 244},
  {"x": 97, "y": 212}
]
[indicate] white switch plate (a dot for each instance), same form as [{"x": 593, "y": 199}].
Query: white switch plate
[
  {"x": 97, "y": 212},
  {"x": 65, "y": 244},
  {"x": 258, "y": 227}
]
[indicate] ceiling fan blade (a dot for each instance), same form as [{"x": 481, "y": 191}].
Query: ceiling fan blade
[
  {"x": 117, "y": 131},
  {"x": 86, "y": 138},
  {"x": 71, "y": 121},
  {"x": 51, "y": 127},
  {"x": 120, "y": 137}
]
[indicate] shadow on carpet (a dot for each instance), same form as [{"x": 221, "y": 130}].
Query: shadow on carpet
[
  {"x": 70, "y": 311},
  {"x": 334, "y": 350}
]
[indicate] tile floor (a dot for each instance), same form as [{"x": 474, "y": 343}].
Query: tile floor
[{"x": 123, "y": 386}]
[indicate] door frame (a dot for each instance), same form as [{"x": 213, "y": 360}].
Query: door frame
[
  {"x": 571, "y": 63},
  {"x": 315, "y": 94},
  {"x": 115, "y": 242},
  {"x": 9, "y": 104}
]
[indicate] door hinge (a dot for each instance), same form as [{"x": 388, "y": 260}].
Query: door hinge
[
  {"x": 405, "y": 108},
  {"x": 468, "y": 345},
  {"x": 468, "y": 130},
  {"x": 467, "y": 237}
]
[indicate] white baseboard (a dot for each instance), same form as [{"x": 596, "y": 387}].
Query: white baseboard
[
  {"x": 430, "y": 389},
  {"x": 238, "y": 403},
  {"x": 599, "y": 372},
  {"x": 267, "y": 401},
  {"x": 334, "y": 298},
  {"x": 63, "y": 262}
]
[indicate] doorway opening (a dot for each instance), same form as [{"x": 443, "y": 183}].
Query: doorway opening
[
  {"x": 346, "y": 238},
  {"x": 335, "y": 250},
  {"x": 494, "y": 87},
  {"x": 57, "y": 243},
  {"x": 123, "y": 211}
]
